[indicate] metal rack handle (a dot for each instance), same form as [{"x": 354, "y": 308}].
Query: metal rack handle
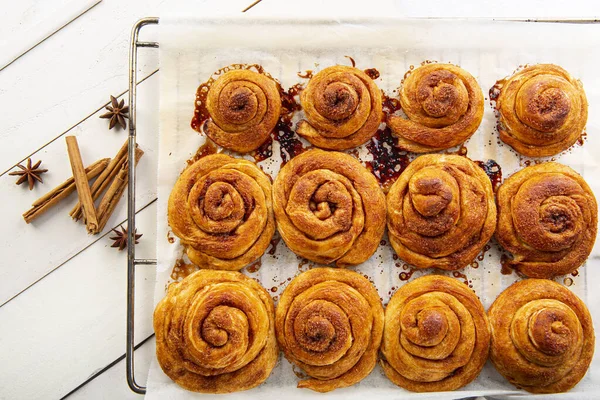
[{"x": 131, "y": 260}]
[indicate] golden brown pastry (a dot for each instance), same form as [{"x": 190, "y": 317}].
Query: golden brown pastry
[
  {"x": 547, "y": 219},
  {"x": 329, "y": 323},
  {"x": 329, "y": 208},
  {"x": 215, "y": 332},
  {"x": 542, "y": 110},
  {"x": 244, "y": 107},
  {"x": 444, "y": 106},
  {"x": 542, "y": 336},
  {"x": 221, "y": 209},
  {"x": 343, "y": 108},
  {"x": 436, "y": 335},
  {"x": 441, "y": 212}
]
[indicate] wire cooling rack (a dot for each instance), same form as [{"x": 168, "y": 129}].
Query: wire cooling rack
[{"x": 132, "y": 262}]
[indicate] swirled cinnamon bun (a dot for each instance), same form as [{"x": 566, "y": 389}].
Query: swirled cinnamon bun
[
  {"x": 343, "y": 108},
  {"x": 221, "y": 209},
  {"x": 542, "y": 110},
  {"x": 215, "y": 332},
  {"x": 244, "y": 108},
  {"x": 436, "y": 335},
  {"x": 441, "y": 212},
  {"x": 542, "y": 336},
  {"x": 329, "y": 322},
  {"x": 444, "y": 106},
  {"x": 547, "y": 219},
  {"x": 329, "y": 208}
]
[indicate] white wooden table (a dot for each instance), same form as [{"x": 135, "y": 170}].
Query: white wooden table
[{"x": 62, "y": 292}]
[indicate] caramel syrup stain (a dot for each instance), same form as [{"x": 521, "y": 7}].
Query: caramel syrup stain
[
  {"x": 505, "y": 263},
  {"x": 290, "y": 144},
  {"x": 372, "y": 73},
  {"x": 481, "y": 256},
  {"x": 460, "y": 275},
  {"x": 407, "y": 273},
  {"x": 274, "y": 243},
  {"x": 462, "y": 151},
  {"x": 351, "y": 60},
  {"x": 255, "y": 266},
  {"x": 575, "y": 273},
  {"x": 206, "y": 149},
  {"x": 289, "y": 103},
  {"x": 493, "y": 171},
  {"x": 388, "y": 160},
  {"x": 274, "y": 289},
  {"x": 495, "y": 90},
  {"x": 474, "y": 264},
  {"x": 181, "y": 269},
  {"x": 582, "y": 138},
  {"x": 390, "y": 105},
  {"x": 407, "y": 73},
  {"x": 568, "y": 281},
  {"x": 264, "y": 151},
  {"x": 170, "y": 237},
  {"x": 306, "y": 75}
]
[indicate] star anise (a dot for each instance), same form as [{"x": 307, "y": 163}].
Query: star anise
[
  {"x": 121, "y": 238},
  {"x": 29, "y": 173},
  {"x": 117, "y": 112}
]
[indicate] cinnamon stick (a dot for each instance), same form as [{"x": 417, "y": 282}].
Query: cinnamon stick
[
  {"x": 104, "y": 179},
  {"x": 44, "y": 203},
  {"x": 81, "y": 182},
  {"x": 114, "y": 192}
]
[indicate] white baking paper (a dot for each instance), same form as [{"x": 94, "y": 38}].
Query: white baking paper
[{"x": 191, "y": 49}]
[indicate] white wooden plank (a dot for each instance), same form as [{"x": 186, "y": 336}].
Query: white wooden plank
[
  {"x": 69, "y": 76},
  {"x": 25, "y": 14},
  {"x": 54, "y": 232},
  {"x": 72, "y": 323},
  {"x": 111, "y": 384},
  {"x": 52, "y": 23}
]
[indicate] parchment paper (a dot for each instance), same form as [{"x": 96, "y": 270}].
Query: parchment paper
[{"x": 191, "y": 49}]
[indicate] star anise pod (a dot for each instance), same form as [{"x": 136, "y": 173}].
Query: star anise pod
[
  {"x": 121, "y": 238},
  {"x": 117, "y": 112},
  {"x": 29, "y": 173}
]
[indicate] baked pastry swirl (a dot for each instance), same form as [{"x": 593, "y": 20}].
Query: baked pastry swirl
[
  {"x": 542, "y": 110},
  {"x": 221, "y": 209},
  {"x": 444, "y": 106},
  {"x": 441, "y": 212},
  {"x": 329, "y": 208},
  {"x": 436, "y": 335},
  {"x": 548, "y": 218},
  {"x": 215, "y": 332},
  {"x": 542, "y": 336},
  {"x": 342, "y": 106},
  {"x": 244, "y": 108},
  {"x": 329, "y": 322}
]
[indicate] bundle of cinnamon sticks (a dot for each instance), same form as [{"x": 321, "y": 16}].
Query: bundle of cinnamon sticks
[{"x": 111, "y": 181}]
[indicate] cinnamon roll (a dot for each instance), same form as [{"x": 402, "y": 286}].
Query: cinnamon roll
[
  {"x": 329, "y": 322},
  {"x": 441, "y": 212},
  {"x": 343, "y": 108},
  {"x": 329, "y": 208},
  {"x": 444, "y": 106},
  {"x": 542, "y": 110},
  {"x": 244, "y": 107},
  {"x": 548, "y": 218},
  {"x": 221, "y": 209},
  {"x": 215, "y": 332},
  {"x": 436, "y": 335},
  {"x": 542, "y": 336}
]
